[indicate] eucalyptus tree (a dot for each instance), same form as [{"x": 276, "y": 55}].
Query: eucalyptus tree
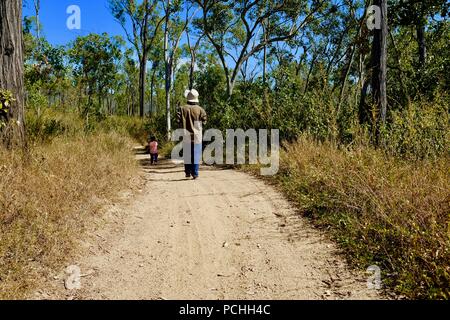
[
  {"x": 37, "y": 10},
  {"x": 175, "y": 25},
  {"x": 193, "y": 48},
  {"x": 417, "y": 13},
  {"x": 95, "y": 59},
  {"x": 379, "y": 62},
  {"x": 11, "y": 73},
  {"x": 417, "y": 29},
  {"x": 234, "y": 28},
  {"x": 141, "y": 21}
]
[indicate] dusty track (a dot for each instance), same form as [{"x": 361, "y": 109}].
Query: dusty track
[{"x": 225, "y": 236}]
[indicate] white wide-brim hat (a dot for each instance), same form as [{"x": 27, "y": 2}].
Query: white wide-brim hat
[{"x": 191, "y": 95}]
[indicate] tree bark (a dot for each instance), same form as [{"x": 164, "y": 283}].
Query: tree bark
[
  {"x": 152, "y": 88},
  {"x": 421, "y": 43},
  {"x": 143, "y": 60},
  {"x": 363, "y": 112},
  {"x": 168, "y": 69},
  {"x": 350, "y": 61},
  {"x": 379, "y": 63},
  {"x": 191, "y": 72},
  {"x": 345, "y": 77},
  {"x": 265, "y": 55},
  {"x": 37, "y": 9},
  {"x": 420, "y": 28},
  {"x": 315, "y": 56},
  {"x": 193, "y": 58},
  {"x": 11, "y": 69},
  {"x": 142, "y": 75},
  {"x": 193, "y": 51},
  {"x": 401, "y": 72}
]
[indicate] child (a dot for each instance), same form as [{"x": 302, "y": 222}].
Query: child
[{"x": 153, "y": 146}]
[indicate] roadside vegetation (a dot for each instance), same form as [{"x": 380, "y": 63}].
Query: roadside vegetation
[
  {"x": 387, "y": 206},
  {"x": 381, "y": 210},
  {"x": 52, "y": 192},
  {"x": 363, "y": 116}
]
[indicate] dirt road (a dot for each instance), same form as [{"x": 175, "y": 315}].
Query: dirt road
[{"x": 225, "y": 236}]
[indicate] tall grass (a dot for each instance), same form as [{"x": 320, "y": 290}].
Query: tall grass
[
  {"x": 382, "y": 210},
  {"x": 49, "y": 194},
  {"x": 50, "y": 123}
]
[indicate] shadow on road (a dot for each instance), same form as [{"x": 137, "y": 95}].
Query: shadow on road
[{"x": 167, "y": 167}]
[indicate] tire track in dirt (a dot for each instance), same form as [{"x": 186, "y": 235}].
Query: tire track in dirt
[{"x": 225, "y": 236}]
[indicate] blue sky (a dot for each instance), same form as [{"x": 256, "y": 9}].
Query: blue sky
[{"x": 95, "y": 18}]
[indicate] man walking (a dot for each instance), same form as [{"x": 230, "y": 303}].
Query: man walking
[{"x": 191, "y": 118}]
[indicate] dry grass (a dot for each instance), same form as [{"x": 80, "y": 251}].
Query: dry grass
[
  {"x": 47, "y": 199},
  {"x": 381, "y": 210}
]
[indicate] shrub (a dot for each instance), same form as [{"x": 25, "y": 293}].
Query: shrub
[
  {"x": 419, "y": 131},
  {"x": 50, "y": 123},
  {"x": 47, "y": 198},
  {"x": 382, "y": 210}
]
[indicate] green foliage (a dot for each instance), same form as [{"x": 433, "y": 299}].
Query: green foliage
[
  {"x": 415, "y": 12},
  {"x": 95, "y": 60},
  {"x": 419, "y": 131},
  {"x": 313, "y": 86},
  {"x": 36, "y": 100},
  {"x": 44, "y": 62},
  {"x": 6, "y": 98},
  {"x": 133, "y": 127},
  {"x": 45, "y": 125},
  {"x": 408, "y": 80},
  {"x": 380, "y": 209},
  {"x": 415, "y": 130},
  {"x": 49, "y": 124}
]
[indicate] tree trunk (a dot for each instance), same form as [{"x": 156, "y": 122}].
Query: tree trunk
[
  {"x": 379, "y": 63},
  {"x": 265, "y": 65},
  {"x": 152, "y": 88},
  {"x": 350, "y": 63},
  {"x": 400, "y": 73},
  {"x": 168, "y": 68},
  {"x": 191, "y": 73},
  {"x": 168, "y": 113},
  {"x": 192, "y": 69},
  {"x": 422, "y": 44},
  {"x": 130, "y": 108},
  {"x": 420, "y": 28},
  {"x": 142, "y": 74},
  {"x": 230, "y": 88},
  {"x": 37, "y": 9},
  {"x": 363, "y": 112},
  {"x": 313, "y": 62},
  {"x": 265, "y": 58},
  {"x": 345, "y": 77},
  {"x": 143, "y": 60},
  {"x": 193, "y": 52},
  {"x": 11, "y": 69},
  {"x": 303, "y": 58}
]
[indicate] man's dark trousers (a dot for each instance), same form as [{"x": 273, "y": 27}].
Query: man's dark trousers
[{"x": 192, "y": 157}]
